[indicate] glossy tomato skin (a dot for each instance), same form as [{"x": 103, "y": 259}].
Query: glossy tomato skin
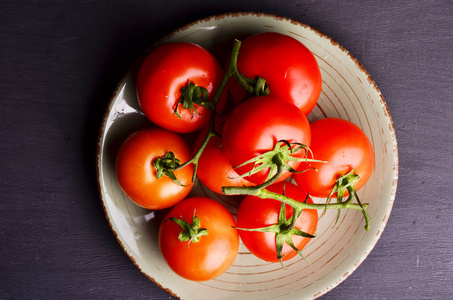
[
  {"x": 214, "y": 169},
  {"x": 213, "y": 254},
  {"x": 137, "y": 176},
  {"x": 289, "y": 68},
  {"x": 164, "y": 72},
  {"x": 256, "y": 125},
  {"x": 345, "y": 147},
  {"x": 255, "y": 212}
]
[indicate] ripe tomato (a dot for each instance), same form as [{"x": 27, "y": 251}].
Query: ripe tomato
[
  {"x": 214, "y": 169},
  {"x": 256, "y": 126},
  {"x": 255, "y": 212},
  {"x": 213, "y": 254},
  {"x": 289, "y": 68},
  {"x": 345, "y": 147},
  {"x": 137, "y": 176},
  {"x": 162, "y": 75}
]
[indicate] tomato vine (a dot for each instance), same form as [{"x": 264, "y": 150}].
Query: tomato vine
[{"x": 275, "y": 159}]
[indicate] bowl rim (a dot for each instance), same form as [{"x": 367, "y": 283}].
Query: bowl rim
[{"x": 240, "y": 14}]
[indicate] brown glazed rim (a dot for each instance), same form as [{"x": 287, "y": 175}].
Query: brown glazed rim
[{"x": 220, "y": 17}]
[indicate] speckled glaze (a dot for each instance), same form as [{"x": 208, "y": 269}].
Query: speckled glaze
[{"x": 348, "y": 92}]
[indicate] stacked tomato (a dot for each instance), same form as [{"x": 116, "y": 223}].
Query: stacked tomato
[{"x": 254, "y": 150}]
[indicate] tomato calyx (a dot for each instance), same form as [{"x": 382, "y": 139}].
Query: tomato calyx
[
  {"x": 166, "y": 165},
  {"x": 192, "y": 94},
  {"x": 189, "y": 232},
  {"x": 276, "y": 160},
  {"x": 346, "y": 183},
  {"x": 284, "y": 230}
]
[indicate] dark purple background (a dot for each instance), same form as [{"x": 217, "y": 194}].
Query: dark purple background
[{"x": 59, "y": 64}]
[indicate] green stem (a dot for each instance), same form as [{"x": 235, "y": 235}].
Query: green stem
[
  {"x": 280, "y": 169},
  {"x": 196, "y": 157},
  {"x": 232, "y": 69},
  {"x": 257, "y": 85},
  {"x": 229, "y": 73},
  {"x": 265, "y": 194},
  {"x": 211, "y": 130},
  {"x": 346, "y": 183},
  {"x": 343, "y": 183}
]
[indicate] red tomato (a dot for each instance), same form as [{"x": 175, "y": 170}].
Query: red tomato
[
  {"x": 214, "y": 169},
  {"x": 137, "y": 176},
  {"x": 162, "y": 75},
  {"x": 289, "y": 68},
  {"x": 255, "y": 127},
  {"x": 213, "y": 254},
  {"x": 255, "y": 212},
  {"x": 345, "y": 147}
]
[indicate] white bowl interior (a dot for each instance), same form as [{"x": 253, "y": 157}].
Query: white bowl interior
[{"x": 348, "y": 93}]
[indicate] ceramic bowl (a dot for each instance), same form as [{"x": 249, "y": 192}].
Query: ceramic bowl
[{"x": 348, "y": 92}]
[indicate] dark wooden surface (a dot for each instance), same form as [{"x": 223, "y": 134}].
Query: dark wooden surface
[{"x": 59, "y": 64}]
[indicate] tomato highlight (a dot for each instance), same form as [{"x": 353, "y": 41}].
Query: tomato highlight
[{"x": 172, "y": 83}]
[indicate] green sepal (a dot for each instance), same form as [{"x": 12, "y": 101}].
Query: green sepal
[
  {"x": 192, "y": 94},
  {"x": 189, "y": 232},
  {"x": 276, "y": 160},
  {"x": 284, "y": 230},
  {"x": 166, "y": 165},
  {"x": 261, "y": 87},
  {"x": 346, "y": 183}
]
